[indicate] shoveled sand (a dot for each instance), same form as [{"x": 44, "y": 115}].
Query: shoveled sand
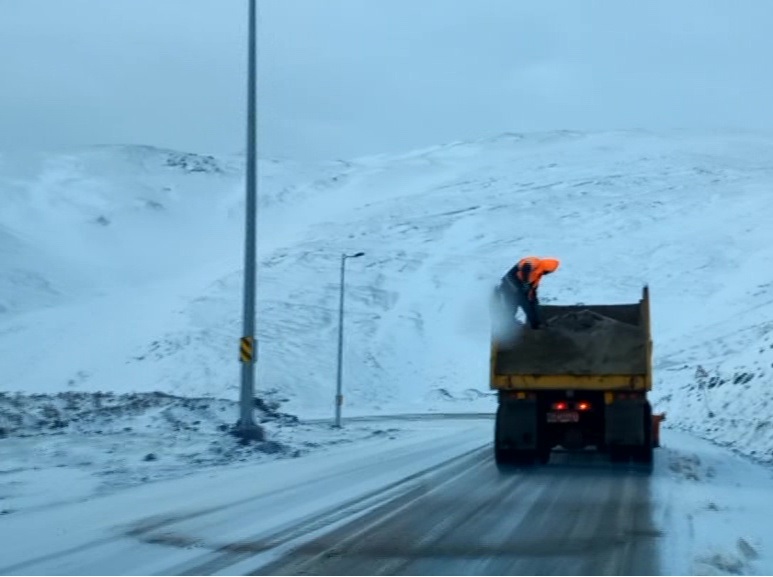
[{"x": 581, "y": 343}]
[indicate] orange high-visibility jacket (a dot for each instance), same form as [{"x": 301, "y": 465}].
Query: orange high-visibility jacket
[{"x": 538, "y": 266}]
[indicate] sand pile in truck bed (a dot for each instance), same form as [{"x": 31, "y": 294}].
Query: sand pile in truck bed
[{"x": 580, "y": 343}]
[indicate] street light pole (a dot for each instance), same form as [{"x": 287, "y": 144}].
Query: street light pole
[
  {"x": 339, "y": 400},
  {"x": 246, "y": 428}
]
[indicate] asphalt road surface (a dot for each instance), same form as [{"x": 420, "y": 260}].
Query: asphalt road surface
[
  {"x": 432, "y": 504},
  {"x": 578, "y": 515}
]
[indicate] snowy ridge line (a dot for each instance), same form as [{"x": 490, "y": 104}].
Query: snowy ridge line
[{"x": 289, "y": 537}]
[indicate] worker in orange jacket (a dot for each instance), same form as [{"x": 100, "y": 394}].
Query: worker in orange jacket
[{"x": 519, "y": 286}]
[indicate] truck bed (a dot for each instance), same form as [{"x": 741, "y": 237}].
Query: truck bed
[{"x": 582, "y": 346}]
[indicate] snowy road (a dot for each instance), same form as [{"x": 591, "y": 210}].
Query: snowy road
[
  {"x": 579, "y": 518},
  {"x": 211, "y": 521},
  {"x": 432, "y": 502}
]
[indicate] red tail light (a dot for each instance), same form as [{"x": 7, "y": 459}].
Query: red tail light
[
  {"x": 583, "y": 406},
  {"x": 560, "y": 406}
]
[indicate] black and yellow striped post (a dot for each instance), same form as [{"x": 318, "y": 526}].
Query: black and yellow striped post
[{"x": 247, "y": 349}]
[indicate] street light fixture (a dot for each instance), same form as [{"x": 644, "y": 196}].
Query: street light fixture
[
  {"x": 246, "y": 428},
  {"x": 339, "y": 400}
]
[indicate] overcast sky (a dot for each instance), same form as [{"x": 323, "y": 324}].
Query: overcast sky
[{"x": 341, "y": 78}]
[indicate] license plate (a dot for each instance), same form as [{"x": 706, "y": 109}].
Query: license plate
[{"x": 563, "y": 417}]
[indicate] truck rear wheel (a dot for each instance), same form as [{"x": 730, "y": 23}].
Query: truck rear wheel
[
  {"x": 505, "y": 458},
  {"x": 511, "y": 458},
  {"x": 501, "y": 456},
  {"x": 644, "y": 454},
  {"x": 515, "y": 430},
  {"x": 523, "y": 458},
  {"x": 618, "y": 454}
]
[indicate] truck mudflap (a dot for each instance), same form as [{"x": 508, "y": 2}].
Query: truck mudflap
[
  {"x": 518, "y": 437},
  {"x": 629, "y": 430},
  {"x": 517, "y": 425}
]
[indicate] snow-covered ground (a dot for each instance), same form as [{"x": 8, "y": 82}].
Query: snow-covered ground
[
  {"x": 116, "y": 531},
  {"x": 120, "y": 286},
  {"x": 122, "y": 268},
  {"x": 716, "y": 507},
  {"x": 96, "y": 444},
  {"x": 710, "y": 510}
]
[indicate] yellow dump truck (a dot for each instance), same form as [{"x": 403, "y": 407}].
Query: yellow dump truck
[{"x": 581, "y": 381}]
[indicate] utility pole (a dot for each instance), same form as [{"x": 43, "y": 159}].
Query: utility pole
[
  {"x": 246, "y": 428},
  {"x": 339, "y": 400}
]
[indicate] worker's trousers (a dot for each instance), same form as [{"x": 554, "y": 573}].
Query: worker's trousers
[{"x": 517, "y": 296}]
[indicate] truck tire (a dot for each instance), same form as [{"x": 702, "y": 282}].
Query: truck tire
[
  {"x": 508, "y": 458},
  {"x": 504, "y": 455},
  {"x": 644, "y": 454},
  {"x": 618, "y": 454},
  {"x": 523, "y": 458},
  {"x": 501, "y": 456}
]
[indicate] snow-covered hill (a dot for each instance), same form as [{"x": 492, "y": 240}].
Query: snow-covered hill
[{"x": 120, "y": 268}]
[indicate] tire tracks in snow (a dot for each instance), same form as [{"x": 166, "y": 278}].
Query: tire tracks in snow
[
  {"x": 177, "y": 531},
  {"x": 226, "y": 555}
]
